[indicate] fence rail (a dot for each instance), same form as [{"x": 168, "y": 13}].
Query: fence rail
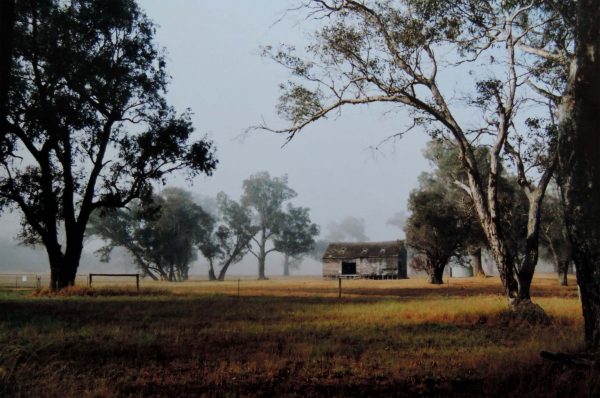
[
  {"x": 24, "y": 280},
  {"x": 136, "y": 276},
  {"x": 31, "y": 280}
]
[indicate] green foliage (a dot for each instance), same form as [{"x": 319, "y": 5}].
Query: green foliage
[
  {"x": 402, "y": 53},
  {"x": 435, "y": 228},
  {"x": 229, "y": 240},
  {"x": 297, "y": 102},
  {"x": 161, "y": 235},
  {"x": 297, "y": 235},
  {"x": 87, "y": 108},
  {"x": 448, "y": 171},
  {"x": 289, "y": 232},
  {"x": 265, "y": 195},
  {"x": 511, "y": 200},
  {"x": 318, "y": 249}
]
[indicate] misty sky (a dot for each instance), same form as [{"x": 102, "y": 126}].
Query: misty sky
[{"x": 214, "y": 59}]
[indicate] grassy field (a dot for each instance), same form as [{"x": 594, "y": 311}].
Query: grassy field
[{"x": 291, "y": 337}]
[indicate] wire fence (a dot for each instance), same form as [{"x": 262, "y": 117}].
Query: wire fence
[
  {"x": 25, "y": 280},
  {"x": 30, "y": 280}
]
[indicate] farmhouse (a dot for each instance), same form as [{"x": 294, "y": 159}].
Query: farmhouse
[{"x": 378, "y": 260}]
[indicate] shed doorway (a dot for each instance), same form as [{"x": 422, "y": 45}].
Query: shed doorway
[{"x": 348, "y": 268}]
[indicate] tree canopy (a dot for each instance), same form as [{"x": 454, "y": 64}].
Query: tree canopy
[
  {"x": 230, "y": 238},
  {"x": 289, "y": 232},
  {"x": 402, "y": 52},
  {"x": 296, "y": 237},
  {"x": 161, "y": 235},
  {"x": 435, "y": 228},
  {"x": 88, "y": 125},
  {"x": 264, "y": 196}
]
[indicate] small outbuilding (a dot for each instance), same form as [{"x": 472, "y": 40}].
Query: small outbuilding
[{"x": 376, "y": 260}]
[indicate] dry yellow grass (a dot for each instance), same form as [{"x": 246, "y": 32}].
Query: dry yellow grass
[
  {"x": 101, "y": 291},
  {"x": 290, "y": 337},
  {"x": 543, "y": 285}
]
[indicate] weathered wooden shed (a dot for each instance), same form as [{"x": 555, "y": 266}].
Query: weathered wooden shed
[{"x": 377, "y": 260}]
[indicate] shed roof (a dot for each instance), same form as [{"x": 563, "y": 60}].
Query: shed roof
[{"x": 350, "y": 250}]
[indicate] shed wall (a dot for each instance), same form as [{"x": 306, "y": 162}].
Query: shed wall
[{"x": 365, "y": 266}]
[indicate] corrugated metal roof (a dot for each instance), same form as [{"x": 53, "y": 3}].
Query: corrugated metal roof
[{"x": 350, "y": 250}]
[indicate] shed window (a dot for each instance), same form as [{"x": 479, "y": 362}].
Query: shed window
[{"x": 348, "y": 268}]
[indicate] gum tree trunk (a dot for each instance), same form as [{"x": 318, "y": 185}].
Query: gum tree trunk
[
  {"x": 475, "y": 255},
  {"x": 563, "y": 272},
  {"x": 224, "y": 269},
  {"x": 261, "y": 269},
  {"x": 62, "y": 271},
  {"x": 211, "y": 272},
  {"x": 435, "y": 270},
  {"x": 580, "y": 166},
  {"x": 527, "y": 267},
  {"x": 7, "y": 22},
  {"x": 262, "y": 254},
  {"x": 286, "y": 265},
  {"x": 63, "y": 266},
  {"x": 561, "y": 258}
]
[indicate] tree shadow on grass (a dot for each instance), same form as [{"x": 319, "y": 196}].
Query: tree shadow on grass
[{"x": 222, "y": 345}]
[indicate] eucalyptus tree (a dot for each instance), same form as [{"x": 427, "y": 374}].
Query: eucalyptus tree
[
  {"x": 230, "y": 238},
  {"x": 265, "y": 197},
  {"x": 296, "y": 237},
  {"x": 580, "y": 151},
  {"x": 435, "y": 228},
  {"x": 443, "y": 156},
  {"x": 402, "y": 53},
  {"x": 160, "y": 235},
  {"x": 7, "y": 24},
  {"x": 88, "y": 125},
  {"x": 563, "y": 44}
]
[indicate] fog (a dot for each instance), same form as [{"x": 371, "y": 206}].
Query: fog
[{"x": 217, "y": 71}]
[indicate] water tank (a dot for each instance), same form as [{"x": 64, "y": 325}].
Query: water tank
[{"x": 459, "y": 271}]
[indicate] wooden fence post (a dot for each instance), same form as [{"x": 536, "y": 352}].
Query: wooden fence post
[
  {"x": 90, "y": 281},
  {"x": 137, "y": 282},
  {"x": 340, "y": 287}
]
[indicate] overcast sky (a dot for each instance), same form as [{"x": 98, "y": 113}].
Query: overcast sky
[
  {"x": 213, "y": 52},
  {"x": 214, "y": 59}
]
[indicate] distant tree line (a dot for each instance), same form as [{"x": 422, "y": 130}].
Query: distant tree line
[{"x": 165, "y": 233}]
